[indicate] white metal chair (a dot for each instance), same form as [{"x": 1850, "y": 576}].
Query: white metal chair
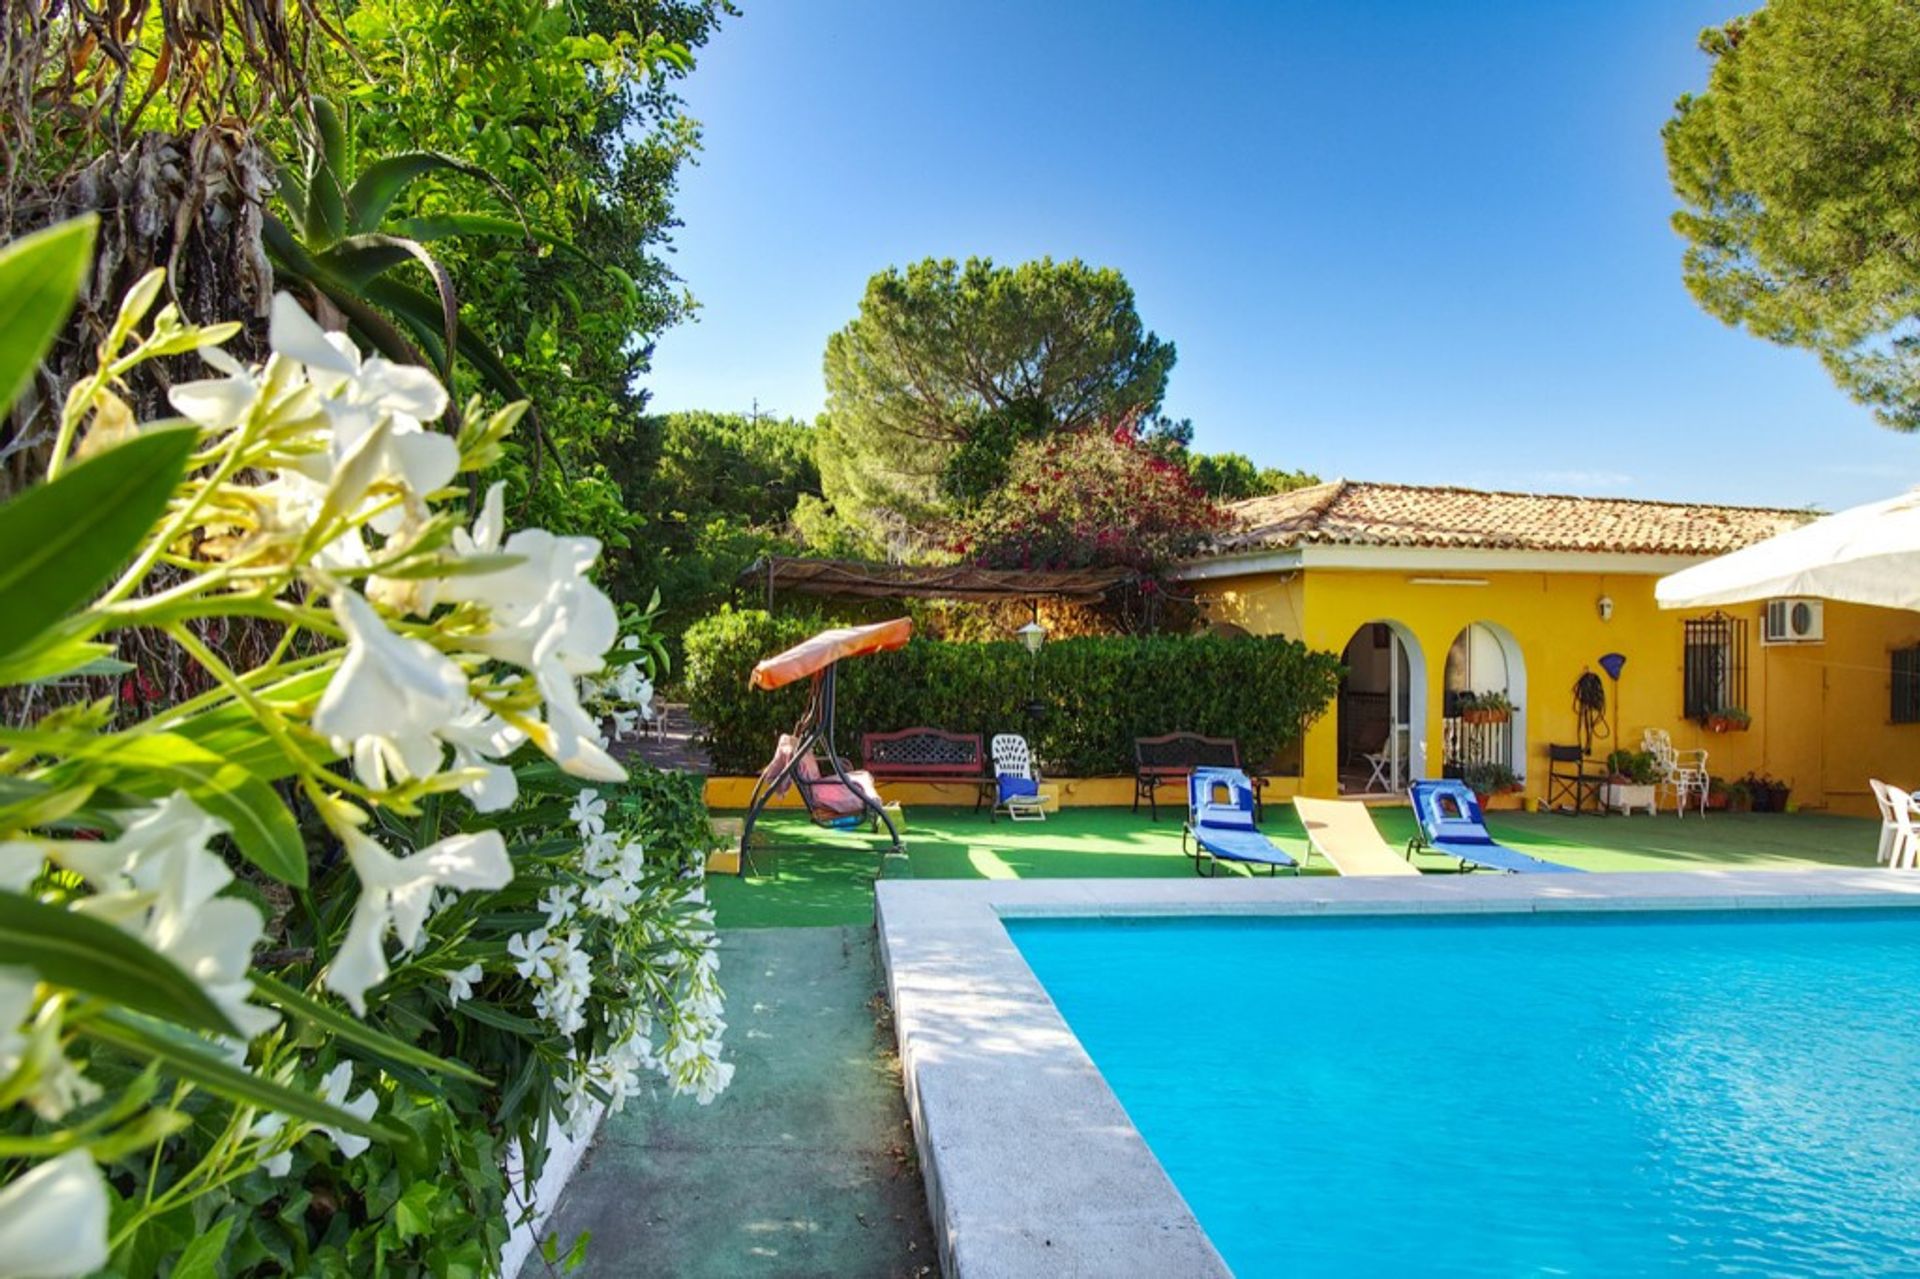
[
  {"x": 1903, "y": 848},
  {"x": 1014, "y": 760},
  {"x": 1682, "y": 773},
  {"x": 653, "y": 718}
]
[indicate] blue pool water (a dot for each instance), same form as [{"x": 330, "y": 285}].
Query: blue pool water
[{"x": 1595, "y": 1094}]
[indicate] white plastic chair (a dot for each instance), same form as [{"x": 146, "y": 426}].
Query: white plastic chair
[
  {"x": 1682, "y": 773},
  {"x": 1904, "y": 853},
  {"x": 1386, "y": 770},
  {"x": 1889, "y": 827},
  {"x": 1013, "y": 758}
]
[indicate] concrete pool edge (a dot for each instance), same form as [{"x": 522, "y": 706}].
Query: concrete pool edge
[{"x": 1030, "y": 1163}]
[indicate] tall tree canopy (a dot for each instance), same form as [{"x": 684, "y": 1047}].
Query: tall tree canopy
[
  {"x": 1800, "y": 171},
  {"x": 722, "y": 492},
  {"x": 948, "y": 367},
  {"x": 1233, "y": 477}
]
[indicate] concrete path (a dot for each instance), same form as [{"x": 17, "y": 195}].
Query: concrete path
[{"x": 803, "y": 1167}]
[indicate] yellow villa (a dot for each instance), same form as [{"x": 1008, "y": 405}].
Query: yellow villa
[{"x": 1439, "y": 596}]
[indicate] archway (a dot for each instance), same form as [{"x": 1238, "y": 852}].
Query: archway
[
  {"x": 1483, "y": 723},
  {"x": 1382, "y": 709}
]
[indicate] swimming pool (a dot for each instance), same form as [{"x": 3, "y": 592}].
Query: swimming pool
[{"x": 1595, "y": 1092}]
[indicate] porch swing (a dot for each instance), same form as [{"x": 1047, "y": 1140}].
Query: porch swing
[{"x": 836, "y": 797}]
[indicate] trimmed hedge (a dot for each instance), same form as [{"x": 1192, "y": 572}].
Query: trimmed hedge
[{"x": 1100, "y": 692}]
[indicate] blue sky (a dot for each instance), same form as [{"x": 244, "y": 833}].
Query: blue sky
[{"x": 1401, "y": 240}]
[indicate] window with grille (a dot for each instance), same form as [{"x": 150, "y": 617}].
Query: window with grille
[
  {"x": 1715, "y": 665},
  {"x": 1906, "y": 685}
]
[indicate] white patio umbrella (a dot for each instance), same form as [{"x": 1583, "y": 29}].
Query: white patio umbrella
[{"x": 1865, "y": 555}]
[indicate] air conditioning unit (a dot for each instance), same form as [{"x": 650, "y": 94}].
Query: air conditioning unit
[{"x": 1794, "y": 621}]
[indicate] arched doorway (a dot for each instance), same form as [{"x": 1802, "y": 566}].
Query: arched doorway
[
  {"x": 1382, "y": 710},
  {"x": 1483, "y": 725}
]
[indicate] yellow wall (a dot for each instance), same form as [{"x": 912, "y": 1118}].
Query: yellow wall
[{"x": 1820, "y": 712}]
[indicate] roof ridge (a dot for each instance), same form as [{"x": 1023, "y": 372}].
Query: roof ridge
[{"x": 1343, "y": 486}]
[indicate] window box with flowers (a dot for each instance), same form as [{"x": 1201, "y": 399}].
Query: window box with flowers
[
  {"x": 1484, "y": 708},
  {"x": 1728, "y": 719}
]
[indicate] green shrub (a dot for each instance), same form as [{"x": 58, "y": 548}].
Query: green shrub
[{"x": 1099, "y": 692}]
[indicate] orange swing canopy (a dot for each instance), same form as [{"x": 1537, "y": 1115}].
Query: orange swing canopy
[{"x": 810, "y": 657}]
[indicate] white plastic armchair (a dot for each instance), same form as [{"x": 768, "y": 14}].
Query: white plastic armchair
[
  {"x": 1903, "y": 843},
  {"x": 1013, "y": 758},
  {"x": 1682, "y": 773},
  {"x": 1889, "y": 826}
]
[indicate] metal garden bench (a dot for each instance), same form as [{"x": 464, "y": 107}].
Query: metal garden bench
[
  {"x": 929, "y": 755},
  {"x": 1169, "y": 759}
]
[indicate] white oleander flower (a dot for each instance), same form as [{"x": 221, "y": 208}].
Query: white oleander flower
[
  {"x": 376, "y": 409},
  {"x": 217, "y": 403},
  {"x": 624, "y": 722},
  {"x": 20, "y": 863},
  {"x": 53, "y": 1219},
  {"x": 333, "y": 1091},
  {"x": 461, "y": 981},
  {"x": 335, "y": 368},
  {"x": 478, "y": 738},
  {"x": 396, "y": 894},
  {"x": 390, "y": 697},
  {"x": 157, "y": 879},
  {"x": 549, "y": 619},
  {"x": 612, "y": 898},
  {"x": 532, "y": 954},
  {"x": 547, "y": 588},
  {"x": 57, "y": 1084},
  {"x": 589, "y": 813},
  {"x": 488, "y": 527},
  {"x": 560, "y": 904},
  {"x": 573, "y": 738},
  {"x": 599, "y": 854},
  {"x": 286, "y": 507},
  {"x": 267, "y": 1130}
]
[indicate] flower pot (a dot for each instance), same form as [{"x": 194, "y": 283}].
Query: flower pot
[
  {"x": 1716, "y": 801},
  {"x": 1508, "y": 801},
  {"x": 1725, "y": 724},
  {"x": 1485, "y": 717},
  {"x": 1624, "y": 797}
]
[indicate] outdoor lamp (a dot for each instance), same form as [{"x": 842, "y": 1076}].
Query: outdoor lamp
[
  {"x": 1605, "y": 605},
  {"x": 1032, "y": 636}
]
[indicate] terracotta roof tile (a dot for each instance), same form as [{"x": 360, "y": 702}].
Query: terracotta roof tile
[{"x": 1350, "y": 513}]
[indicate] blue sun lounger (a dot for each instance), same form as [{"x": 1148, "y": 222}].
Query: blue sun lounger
[
  {"x": 1220, "y": 805},
  {"x": 1451, "y": 823}
]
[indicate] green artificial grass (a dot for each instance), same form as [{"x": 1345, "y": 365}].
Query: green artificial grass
[{"x": 826, "y": 877}]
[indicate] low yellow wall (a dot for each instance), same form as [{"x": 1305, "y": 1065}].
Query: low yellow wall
[{"x": 1075, "y": 792}]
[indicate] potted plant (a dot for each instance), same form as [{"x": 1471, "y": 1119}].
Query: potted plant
[
  {"x": 1490, "y": 782},
  {"x": 1719, "y": 793},
  {"x": 1739, "y": 797},
  {"x": 1770, "y": 794},
  {"x": 1630, "y": 784},
  {"x": 1727, "y": 719},
  {"x": 1484, "y": 708}
]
